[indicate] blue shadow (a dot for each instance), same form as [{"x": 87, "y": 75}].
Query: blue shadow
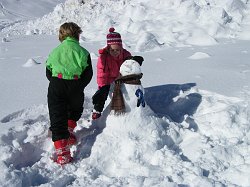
[{"x": 160, "y": 100}]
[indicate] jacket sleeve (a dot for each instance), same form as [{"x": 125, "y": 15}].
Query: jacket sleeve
[
  {"x": 87, "y": 74},
  {"x": 48, "y": 74},
  {"x": 102, "y": 71}
]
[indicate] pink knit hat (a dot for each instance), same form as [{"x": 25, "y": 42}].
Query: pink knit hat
[{"x": 113, "y": 37}]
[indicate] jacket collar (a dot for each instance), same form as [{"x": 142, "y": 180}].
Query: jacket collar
[{"x": 71, "y": 39}]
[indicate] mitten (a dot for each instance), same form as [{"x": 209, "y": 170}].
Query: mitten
[{"x": 140, "y": 100}]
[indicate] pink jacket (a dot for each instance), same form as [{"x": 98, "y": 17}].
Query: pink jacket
[{"x": 108, "y": 66}]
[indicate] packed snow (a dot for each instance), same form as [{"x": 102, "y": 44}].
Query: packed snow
[
  {"x": 195, "y": 127},
  {"x": 199, "y": 55}
]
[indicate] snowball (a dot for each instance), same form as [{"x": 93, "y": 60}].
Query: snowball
[{"x": 130, "y": 67}]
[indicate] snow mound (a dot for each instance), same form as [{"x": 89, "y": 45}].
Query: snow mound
[
  {"x": 223, "y": 125},
  {"x": 148, "y": 25},
  {"x": 201, "y": 38},
  {"x": 199, "y": 55},
  {"x": 5, "y": 40},
  {"x": 147, "y": 42},
  {"x": 30, "y": 62}
]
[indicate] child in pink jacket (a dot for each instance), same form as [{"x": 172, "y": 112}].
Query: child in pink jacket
[{"x": 109, "y": 61}]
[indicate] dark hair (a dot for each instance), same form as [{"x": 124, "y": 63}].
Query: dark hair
[{"x": 69, "y": 29}]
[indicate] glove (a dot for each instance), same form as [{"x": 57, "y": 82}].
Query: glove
[{"x": 140, "y": 100}]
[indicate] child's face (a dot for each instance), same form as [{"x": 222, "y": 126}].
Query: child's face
[{"x": 115, "y": 50}]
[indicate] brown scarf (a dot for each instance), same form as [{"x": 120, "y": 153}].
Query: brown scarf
[{"x": 117, "y": 101}]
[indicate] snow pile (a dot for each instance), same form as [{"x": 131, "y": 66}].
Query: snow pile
[
  {"x": 184, "y": 136},
  {"x": 199, "y": 55},
  {"x": 148, "y": 25},
  {"x": 16, "y": 11},
  {"x": 224, "y": 126},
  {"x": 135, "y": 149},
  {"x": 5, "y": 40},
  {"x": 30, "y": 62}
]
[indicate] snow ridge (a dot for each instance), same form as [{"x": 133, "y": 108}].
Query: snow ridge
[{"x": 147, "y": 25}]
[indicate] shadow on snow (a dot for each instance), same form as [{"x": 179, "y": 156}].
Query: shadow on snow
[{"x": 160, "y": 100}]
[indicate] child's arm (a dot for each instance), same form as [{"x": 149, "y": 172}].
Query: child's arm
[
  {"x": 87, "y": 74},
  {"x": 48, "y": 74},
  {"x": 102, "y": 71}
]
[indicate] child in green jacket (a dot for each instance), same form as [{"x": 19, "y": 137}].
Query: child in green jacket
[{"x": 69, "y": 70}]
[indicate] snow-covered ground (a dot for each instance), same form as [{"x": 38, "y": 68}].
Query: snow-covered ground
[{"x": 195, "y": 128}]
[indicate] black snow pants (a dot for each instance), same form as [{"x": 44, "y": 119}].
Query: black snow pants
[
  {"x": 100, "y": 97},
  {"x": 65, "y": 101}
]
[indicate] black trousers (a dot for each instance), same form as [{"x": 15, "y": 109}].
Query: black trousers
[
  {"x": 100, "y": 97},
  {"x": 65, "y": 101}
]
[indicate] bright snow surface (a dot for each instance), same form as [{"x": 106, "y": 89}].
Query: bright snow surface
[{"x": 194, "y": 129}]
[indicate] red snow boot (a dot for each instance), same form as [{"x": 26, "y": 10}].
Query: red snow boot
[
  {"x": 71, "y": 127},
  {"x": 62, "y": 151}
]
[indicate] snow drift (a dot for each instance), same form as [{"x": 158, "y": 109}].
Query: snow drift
[
  {"x": 135, "y": 149},
  {"x": 195, "y": 22}
]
